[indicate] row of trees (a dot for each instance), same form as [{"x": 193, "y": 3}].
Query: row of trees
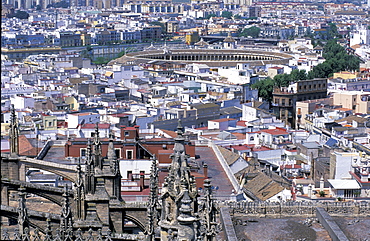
[
  {"x": 228, "y": 15},
  {"x": 253, "y": 32},
  {"x": 336, "y": 60},
  {"x": 18, "y": 14}
]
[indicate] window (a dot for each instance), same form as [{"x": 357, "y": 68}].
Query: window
[
  {"x": 117, "y": 152},
  {"x": 129, "y": 175},
  {"x": 82, "y": 152},
  {"x": 127, "y": 133},
  {"x": 50, "y": 123},
  {"x": 129, "y": 154},
  {"x": 252, "y": 138}
]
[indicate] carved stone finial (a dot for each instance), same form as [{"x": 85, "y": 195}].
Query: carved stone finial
[
  {"x": 111, "y": 154},
  {"x": 66, "y": 214},
  {"x": 22, "y": 211},
  {"x": 13, "y": 133},
  {"x": 153, "y": 200},
  {"x": 179, "y": 128}
]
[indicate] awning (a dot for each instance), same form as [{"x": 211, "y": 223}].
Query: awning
[
  {"x": 109, "y": 74},
  {"x": 331, "y": 142},
  {"x": 339, "y": 184}
]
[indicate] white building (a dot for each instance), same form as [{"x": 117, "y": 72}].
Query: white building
[
  {"x": 343, "y": 164},
  {"x": 360, "y": 36},
  {"x": 22, "y": 102},
  {"x": 82, "y": 118},
  {"x": 222, "y": 124}
]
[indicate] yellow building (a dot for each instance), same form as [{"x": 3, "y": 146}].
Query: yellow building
[
  {"x": 72, "y": 102},
  {"x": 306, "y": 107},
  {"x": 50, "y": 122},
  {"x": 191, "y": 38},
  {"x": 5, "y": 128},
  {"x": 85, "y": 38},
  {"x": 346, "y": 75},
  {"x": 357, "y": 101}
]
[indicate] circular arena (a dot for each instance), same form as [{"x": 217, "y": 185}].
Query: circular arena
[{"x": 211, "y": 57}]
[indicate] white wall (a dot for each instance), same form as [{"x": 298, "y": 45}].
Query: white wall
[
  {"x": 344, "y": 164},
  {"x": 249, "y": 113},
  {"x": 135, "y": 166}
]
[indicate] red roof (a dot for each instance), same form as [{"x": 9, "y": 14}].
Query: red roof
[
  {"x": 240, "y": 148},
  {"x": 277, "y": 131},
  {"x": 295, "y": 166},
  {"x": 92, "y": 126},
  {"x": 223, "y": 120},
  {"x": 202, "y": 128},
  {"x": 130, "y": 128},
  {"x": 258, "y": 148},
  {"x": 241, "y": 123}
]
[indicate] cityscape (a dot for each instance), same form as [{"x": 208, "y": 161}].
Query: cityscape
[{"x": 185, "y": 120}]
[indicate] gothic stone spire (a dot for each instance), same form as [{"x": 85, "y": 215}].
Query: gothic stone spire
[
  {"x": 22, "y": 211},
  {"x": 98, "y": 162},
  {"x": 13, "y": 133},
  {"x": 89, "y": 173},
  {"x": 179, "y": 196},
  {"x": 153, "y": 200}
]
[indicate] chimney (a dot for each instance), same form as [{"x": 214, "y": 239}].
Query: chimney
[
  {"x": 142, "y": 176},
  {"x": 205, "y": 170}
]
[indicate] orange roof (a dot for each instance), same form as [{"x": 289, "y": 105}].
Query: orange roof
[
  {"x": 343, "y": 109},
  {"x": 277, "y": 131},
  {"x": 222, "y": 120}
]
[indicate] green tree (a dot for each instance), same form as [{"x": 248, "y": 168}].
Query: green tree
[
  {"x": 296, "y": 75},
  {"x": 252, "y": 32},
  {"x": 120, "y": 54},
  {"x": 336, "y": 59},
  {"x": 282, "y": 80},
  {"x": 227, "y": 14},
  {"x": 237, "y": 16},
  {"x": 163, "y": 27},
  {"x": 265, "y": 88},
  {"x": 101, "y": 61},
  {"x": 210, "y": 16},
  {"x": 19, "y": 14}
]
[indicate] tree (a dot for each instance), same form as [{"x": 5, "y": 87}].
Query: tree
[
  {"x": 101, "y": 60},
  {"x": 61, "y": 4},
  {"x": 252, "y": 32},
  {"x": 210, "y": 16},
  {"x": 19, "y": 14},
  {"x": 296, "y": 75},
  {"x": 265, "y": 88},
  {"x": 227, "y": 14},
  {"x": 120, "y": 54},
  {"x": 237, "y": 16}
]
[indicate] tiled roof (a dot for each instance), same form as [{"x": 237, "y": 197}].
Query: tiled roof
[
  {"x": 229, "y": 156},
  {"x": 263, "y": 187},
  {"x": 277, "y": 131},
  {"x": 222, "y": 120},
  {"x": 352, "y": 118},
  {"x": 92, "y": 126}
]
